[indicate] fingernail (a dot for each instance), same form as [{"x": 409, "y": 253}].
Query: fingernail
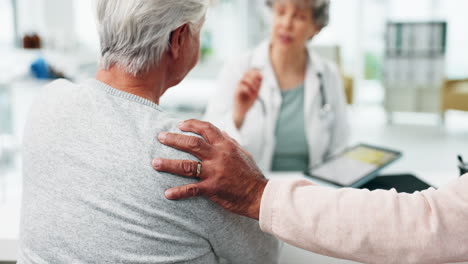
[
  {"x": 168, "y": 194},
  {"x": 157, "y": 163},
  {"x": 162, "y": 136},
  {"x": 181, "y": 125}
]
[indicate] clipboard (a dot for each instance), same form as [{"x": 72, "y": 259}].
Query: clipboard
[{"x": 355, "y": 166}]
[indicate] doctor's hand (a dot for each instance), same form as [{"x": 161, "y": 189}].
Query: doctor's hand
[
  {"x": 246, "y": 95},
  {"x": 228, "y": 176}
]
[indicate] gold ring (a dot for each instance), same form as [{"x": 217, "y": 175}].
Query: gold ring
[{"x": 199, "y": 169}]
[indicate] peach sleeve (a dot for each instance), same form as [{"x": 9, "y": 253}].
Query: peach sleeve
[{"x": 371, "y": 227}]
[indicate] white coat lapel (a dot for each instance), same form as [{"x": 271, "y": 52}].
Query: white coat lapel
[
  {"x": 316, "y": 137},
  {"x": 312, "y": 82},
  {"x": 269, "y": 92}
]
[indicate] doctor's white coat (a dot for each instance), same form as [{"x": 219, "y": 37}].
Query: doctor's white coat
[{"x": 327, "y": 135}]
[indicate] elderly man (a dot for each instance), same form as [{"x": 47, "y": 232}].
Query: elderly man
[{"x": 90, "y": 194}]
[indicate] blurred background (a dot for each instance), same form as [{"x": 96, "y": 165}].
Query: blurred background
[{"x": 420, "y": 113}]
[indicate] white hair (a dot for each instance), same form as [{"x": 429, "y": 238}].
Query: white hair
[{"x": 134, "y": 34}]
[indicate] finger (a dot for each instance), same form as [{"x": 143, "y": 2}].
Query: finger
[
  {"x": 253, "y": 81},
  {"x": 207, "y": 130},
  {"x": 257, "y": 75},
  {"x": 249, "y": 74},
  {"x": 187, "y": 168},
  {"x": 253, "y": 84},
  {"x": 244, "y": 95},
  {"x": 252, "y": 92},
  {"x": 259, "y": 78},
  {"x": 250, "y": 87},
  {"x": 246, "y": 85},
  {"x": 190, "y": 144},
  {"x": 257, "y": 84},
  {"x": 182, "y": 192}
]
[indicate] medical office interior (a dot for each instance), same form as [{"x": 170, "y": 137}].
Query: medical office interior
[{"x": 404, "y": 66}]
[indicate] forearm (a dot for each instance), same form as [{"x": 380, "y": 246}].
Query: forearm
[{"x": 372, "y": 227}]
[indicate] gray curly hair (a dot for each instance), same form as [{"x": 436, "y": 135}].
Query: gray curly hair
[{"x": 320, "y": 9}]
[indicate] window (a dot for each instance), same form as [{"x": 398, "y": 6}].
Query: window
[
  {"x": 454, "y": 12},
  {"x": 7, "y": 32},
  {"x": 85, "y": 24}
]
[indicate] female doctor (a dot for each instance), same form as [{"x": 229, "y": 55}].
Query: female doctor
[{"x": 282, "y": 102}]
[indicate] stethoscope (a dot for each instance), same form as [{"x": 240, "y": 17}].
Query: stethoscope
[{"x": 325, "y": 107}]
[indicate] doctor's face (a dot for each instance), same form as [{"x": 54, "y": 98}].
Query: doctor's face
[{"x": 293, "y": 25}]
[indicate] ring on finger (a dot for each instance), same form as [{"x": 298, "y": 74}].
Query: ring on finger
[{"x": 199, "y": 167}]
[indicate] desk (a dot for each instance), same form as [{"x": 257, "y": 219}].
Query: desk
[
  {"x": 297, "y": 175},
  {"x": 435, "y": 178}
]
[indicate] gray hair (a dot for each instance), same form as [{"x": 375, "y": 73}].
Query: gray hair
[
  {"x": 134, "y": 34},
  {"x": 320, "y": 9}
]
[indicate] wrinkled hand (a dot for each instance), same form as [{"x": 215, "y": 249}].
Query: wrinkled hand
[
  {"x": 246, "y": 94},
  {"x": 229, "y": 176}
]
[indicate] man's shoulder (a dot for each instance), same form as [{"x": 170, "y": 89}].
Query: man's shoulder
[
  {"x": 61, "y": 83},
  {"x": 167, "y": 123},
  {"x": 53, "y": 101},
  {"x": 60, "y": 86},
  {"x": 59, "y": 92}
]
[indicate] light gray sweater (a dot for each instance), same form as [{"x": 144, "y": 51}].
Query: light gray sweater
[{"x": 91, "y": 195}]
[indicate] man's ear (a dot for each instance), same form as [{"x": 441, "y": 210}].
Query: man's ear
[{"x": 177, "y": 40}]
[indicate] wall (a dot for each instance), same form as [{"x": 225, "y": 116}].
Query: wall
[{"x": 53, "y": 20}]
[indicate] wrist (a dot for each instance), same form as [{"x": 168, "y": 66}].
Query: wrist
[
  {"x": 238, "y": 118},
  {"x": 255, "y": 200}
]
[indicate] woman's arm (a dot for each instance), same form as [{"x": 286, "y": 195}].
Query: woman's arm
[
  {"x": 371, "y": 227},
  {"x": 220, "y": 107},
  {"x": 236, "y": 97}
]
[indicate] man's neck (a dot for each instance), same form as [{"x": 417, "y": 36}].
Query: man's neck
[{"x": 150, "y": 85}]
